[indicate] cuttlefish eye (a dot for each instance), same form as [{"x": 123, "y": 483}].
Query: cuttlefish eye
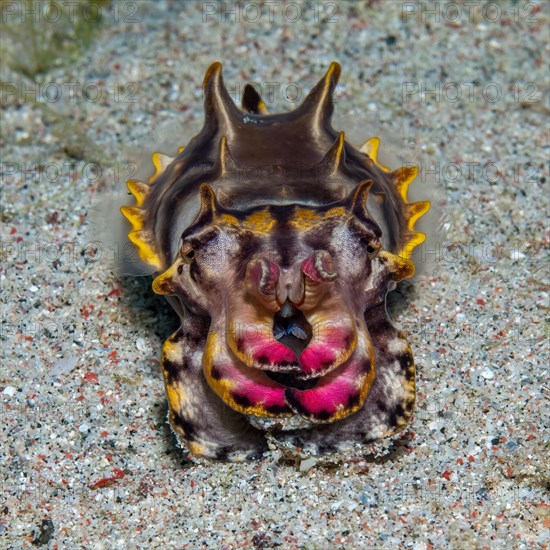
[
  {"x": 187, "y": 252},
  {"x": 373, "y": 249},
  {"x": 189, "y": 255}
]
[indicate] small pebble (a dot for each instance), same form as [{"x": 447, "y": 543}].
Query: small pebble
[
  {"x": 307, "y": 464},
  {"x": 64, "y": 366},
  {"x": 141, "y": 345}
]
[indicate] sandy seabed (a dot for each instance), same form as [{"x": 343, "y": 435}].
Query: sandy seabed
[{"x": 87, "y": 458}]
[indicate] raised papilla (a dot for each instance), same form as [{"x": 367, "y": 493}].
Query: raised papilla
[{"x": 276, "y": 242}]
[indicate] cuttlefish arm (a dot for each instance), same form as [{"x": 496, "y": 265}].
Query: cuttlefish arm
[
  {"x": 201, "y": 421},
  {"x": 389, "y": 403},
  {"x": 245, "y": 389},
  {"x": 341, "y": 392},
  {"x": 333, "y": 326},
  {"x": 250, "y": 322}
]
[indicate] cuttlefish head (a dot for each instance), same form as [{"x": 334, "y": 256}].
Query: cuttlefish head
[{"x": 286, "y": 289}]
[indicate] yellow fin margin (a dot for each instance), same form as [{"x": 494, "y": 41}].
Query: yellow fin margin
[
  {"x": 402, "y": 178},
  {"x": 134, "y": 215},
  {"x": 160, "y": 162},
  {"x": 416, "y": 210},
  {"x": 370, "y": 148},
  {"x": 139, "y": 189},
  {"x": 415, "y": 239},
  {"x": 144, "y": 241}
]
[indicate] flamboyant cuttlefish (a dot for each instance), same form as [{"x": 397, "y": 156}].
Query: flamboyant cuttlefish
[{"x": 276, "y": 241}]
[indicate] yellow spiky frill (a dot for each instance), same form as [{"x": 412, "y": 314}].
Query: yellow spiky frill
[
  {"x": 141, "y": 237},
  {"x": 402, "y": 178}
]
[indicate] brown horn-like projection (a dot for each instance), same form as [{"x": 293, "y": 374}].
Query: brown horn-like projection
[
  {"x": 219, "y": 108},
  {"x": 209, "y": 205},
  {"x": 318, "y": 105},
  {"x": 334, "y": 158},
  {"x": 225, "y": 164},
  {"x": 356, "y": 203},
  {"x": 357, "y": 199},
  {"x": 252, "y": 101}
]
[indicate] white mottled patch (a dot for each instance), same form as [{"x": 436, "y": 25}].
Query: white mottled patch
[
  {"x": 398, "y": 346},
  {"x": 295, "y": 422},
  {"x": 378, "y": 432},
  {"x": 373, "y": 282},
  {"x": 392, "y": 384},
  {"x": 196, "y": 358}
]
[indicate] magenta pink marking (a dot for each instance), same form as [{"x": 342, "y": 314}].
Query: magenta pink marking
[
  {"x": 255, "y": 385},
  {"x": 336, "y": 336},
  {"x": 322, "y": 356},
  {"x": 333, "y": 390},
  {"x": 308, "y": 268},
  {"x": 274, "y": 352},
  {"x": 317, "y": 358},
  {"x": 274, "y": 272},
  {"x": 255, "y": 272},
  {"x": 263, "y": 395},
  {"x": 264, "y": 282},
  {"x": 324, "y": 398}
]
